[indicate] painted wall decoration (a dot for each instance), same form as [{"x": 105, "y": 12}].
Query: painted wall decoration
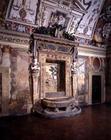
[
  {"x": 103, "y": 27},
  {"x": 81, "y": 76},
  {"x": 106, "y": 18},
  {"x": 79, "y": 17},
  {"x": 74, "y": 24},
  {"x": 83, "y": 16},
  {"x": 87, "y": 24},
  {"x": 19, "y": 92},
  {"x": 81, "y": 4},
  {"x": 51, "y": 77},
  {"x": 57, "y": 18},
  {"x": 22, "y": 11}
]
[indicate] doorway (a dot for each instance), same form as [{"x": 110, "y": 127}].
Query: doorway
[
  {"x": 55, "y": 78},
  {"x": 96, "y": 89}
]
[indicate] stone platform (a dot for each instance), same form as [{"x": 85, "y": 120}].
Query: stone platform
[{"x": 57, "y": 107}]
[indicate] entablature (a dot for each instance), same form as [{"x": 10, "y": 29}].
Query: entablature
[{"x": 21, "y": 41}]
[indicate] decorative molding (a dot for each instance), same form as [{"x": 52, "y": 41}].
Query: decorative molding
[
  {"x": 84, "y": 50},
  {"x": 14, "y": 39},
  {"x": 21, "y": 40}
]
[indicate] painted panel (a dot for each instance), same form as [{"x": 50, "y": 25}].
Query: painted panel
[{"x": 22, "y": 11}]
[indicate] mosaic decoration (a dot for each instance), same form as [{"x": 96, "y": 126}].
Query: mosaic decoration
[{"x": 22, "y": 11}]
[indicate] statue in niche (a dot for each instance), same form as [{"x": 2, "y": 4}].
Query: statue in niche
[{"x": 57, "y": 24}]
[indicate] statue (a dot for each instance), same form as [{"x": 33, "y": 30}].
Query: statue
[{"x": 34, "y": 66}]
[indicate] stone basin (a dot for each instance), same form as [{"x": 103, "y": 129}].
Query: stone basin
[
  {"x": 57, "y": 107},
  {"x": 57, "y": 102}
]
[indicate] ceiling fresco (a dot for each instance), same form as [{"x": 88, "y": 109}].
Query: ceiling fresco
[
  {"x": 88, "y": 19},
  {"x": 103, "y": 28}
]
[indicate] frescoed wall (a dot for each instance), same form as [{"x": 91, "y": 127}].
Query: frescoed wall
[
  {"x": 14, "y": 81},
  {"x": 78, "y": 18}
]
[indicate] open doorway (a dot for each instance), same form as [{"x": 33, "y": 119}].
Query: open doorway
[
  {"x": 55, "y": 78},
  {"x": 96, "y": 89}
]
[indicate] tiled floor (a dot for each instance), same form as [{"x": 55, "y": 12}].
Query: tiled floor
[{"x": 94, "y": 123}]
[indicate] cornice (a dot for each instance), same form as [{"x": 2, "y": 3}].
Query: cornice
[
  {"x": 50, "y": 39},
  {"x": 21, "y": 41},
  {"x": 14, "y": 39},
  {"x": 88, "y": 50}
]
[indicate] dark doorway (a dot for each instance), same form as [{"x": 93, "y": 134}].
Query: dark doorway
[{"x": 96, "y": 89}]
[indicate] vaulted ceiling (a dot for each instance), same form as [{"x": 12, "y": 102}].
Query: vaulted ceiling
[{"x": 88, "y": 19}]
